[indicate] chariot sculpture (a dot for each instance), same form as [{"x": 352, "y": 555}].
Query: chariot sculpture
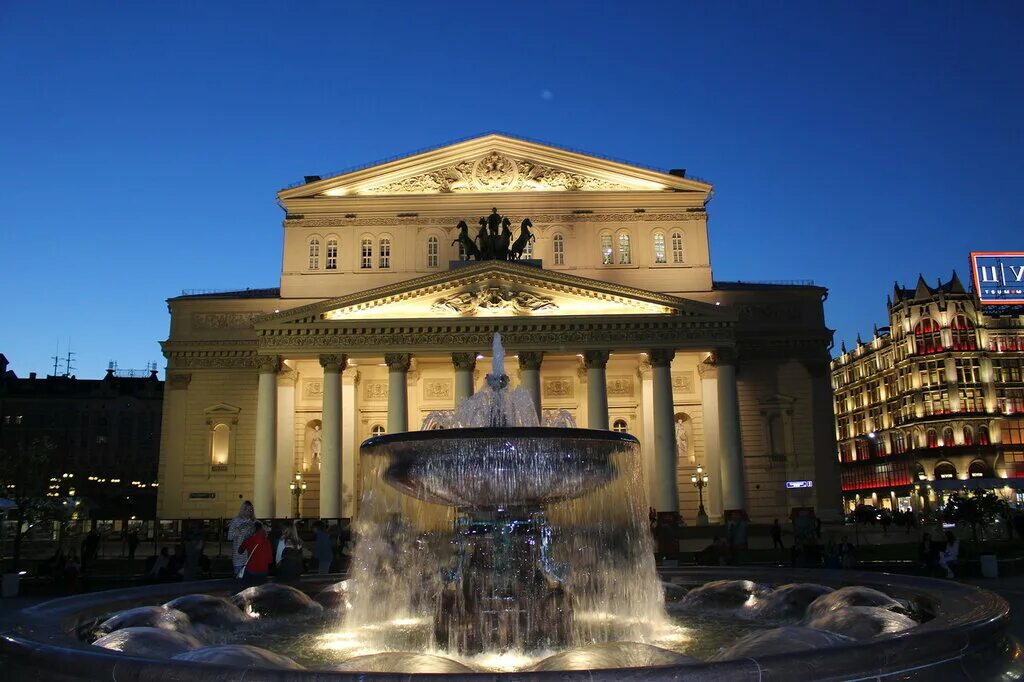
[{"x": 494, "y": 240}]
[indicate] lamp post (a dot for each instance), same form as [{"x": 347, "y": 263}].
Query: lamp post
[
  {"x": 700, "y": 481},
  {"x": 298, "y": 486}
]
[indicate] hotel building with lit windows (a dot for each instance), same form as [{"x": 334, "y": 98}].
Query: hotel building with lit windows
[{"x": 933, "y": 403}]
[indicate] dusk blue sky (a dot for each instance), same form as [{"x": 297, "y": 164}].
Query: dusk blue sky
[{"x": 141, "y": 144}]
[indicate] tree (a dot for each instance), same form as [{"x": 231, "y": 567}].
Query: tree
[
  {"x": 978, "y": 509},
  {"x": 24, "y": 479}
]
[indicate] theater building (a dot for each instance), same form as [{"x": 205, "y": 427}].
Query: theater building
[
  {"x": 933, "y": 403},
  {"x": 612, "y": 314}
]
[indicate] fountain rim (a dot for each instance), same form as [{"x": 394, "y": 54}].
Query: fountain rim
[{"x": 500, "y": 432}]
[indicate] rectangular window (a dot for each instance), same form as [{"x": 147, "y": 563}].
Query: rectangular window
[
  {"x": 366, "y": 261},
  {"x": 677, "y": 247},
  {"x": 432, "y": 247},
  {"x": 559, "y": 249}
]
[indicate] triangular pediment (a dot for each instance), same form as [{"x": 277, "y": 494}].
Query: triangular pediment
[
  {"x": 493, "y": 289},
  {"x": 495, "y": 164}
]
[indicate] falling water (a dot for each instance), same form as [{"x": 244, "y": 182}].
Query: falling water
[{"x": 501, "y": 536}]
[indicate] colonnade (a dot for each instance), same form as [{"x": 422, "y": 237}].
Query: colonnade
[{"x": 719, "y": 406}]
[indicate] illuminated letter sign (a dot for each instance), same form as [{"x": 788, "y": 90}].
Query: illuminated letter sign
[
  {"x": 799, "y": 484},
  {"x": 998, "y": 277}
]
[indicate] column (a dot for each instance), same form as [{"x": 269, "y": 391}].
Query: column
[
  {"x": 465, "y": 364},
  {"x": 398, "y": 397},
  {"x": 285, "y": 466},
  {"x": 596, "y": 361},
  {"x": 529, "y": 368},
  {"x": 266, "y": 437},
  {"x": 827, "y": 475},
  {"x": 330, "y": 443},
  {"x": 647, "y": 440},
  {"x": 172, "y": 450},
  {"x": 349, "y": 442},
  {"x": 666, "y": 492},
  {"x": 712, "y": 438},
  {"x": 729, "y": 423}
]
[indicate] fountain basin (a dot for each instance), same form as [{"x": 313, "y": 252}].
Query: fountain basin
[
  {"x": 964, "y": 637},
  {"x": 506, "y": 466}
]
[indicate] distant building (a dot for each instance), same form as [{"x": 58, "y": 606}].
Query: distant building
[
  {"x": 105, "y": 433},
  {"x": 932, "y": 403}
]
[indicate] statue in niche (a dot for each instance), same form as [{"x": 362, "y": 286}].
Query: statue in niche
[
  {"x": 315, "y": 444},
  {"x": 683, "y": 439}
]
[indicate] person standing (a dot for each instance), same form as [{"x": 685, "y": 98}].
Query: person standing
[
  {"x": 289, "y": 554},
  {"x": 257, "y": 548},
  {"x": 239, "y": 529},
  {"x": 777, "y": 536},
  {"x": 323, "y": 548},
  {"x": 133, "y": 543},
  {"x": 950, "y": 554}
]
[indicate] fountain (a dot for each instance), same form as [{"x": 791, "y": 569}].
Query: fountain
[{"x": 490, "y": 543}]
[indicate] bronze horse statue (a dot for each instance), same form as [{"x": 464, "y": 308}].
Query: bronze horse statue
[
  {"x": 468, "y": 245},
  {"x": 486, "y": 241},
  {"x": 504, "y": 240},
  {"x": 525, "y": 237}
]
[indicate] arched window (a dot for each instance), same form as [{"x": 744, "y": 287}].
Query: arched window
[
  {"x": 377, "y": 430},
  {"x": 625, "y": 255},
  {"x": 899, "y": 442},
  {"x": 863, "y": 449},
  {"x": 983, "y": 437},
  {"x": 968, "y": 436},
  {"x": 620, "y": 426},
  {"x": 677, "y": 247},
  {"x": 332, "y": 253},
  {"x": 932, "y": 438},
  {"x": 432, "y": 251},
  {"x": 659, "y": 247},
  {"x": 929, "y": 336},
  {"x": 385, "y": 254},
  {"x": 977, "y": 469},
  {"x": 947, "y": 437},
  {"x": 314, "y": 253},
  {"x": 366, "y": 253},
  {"x": 221, "y": 445},
  {"x": 944, "y": 470},
  {"x": 919, "y": 472},
  {"x": 964, "y": 336},
  {"x": 558, "y": 249},
  {"x": 607, "y": 252}
]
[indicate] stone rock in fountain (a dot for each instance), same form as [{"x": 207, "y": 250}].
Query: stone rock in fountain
[
  {"x": 335, "y": 597},
  {"x": 862, "y": 622},
  {"x": 273, "y": 599},
  {"x": 147, "y": 616},
  {"x": 208, "y": 610},
  {"x": 239, "y": 656},
  {"x": 788, "y": 603},
  {"x": 148, "y": 642},
  {"x": 724, "y": 595},
  {"x": 672, "y": 592},
  {"x": 402, "y": 662},
  {"x": 784, "y": 640},
  {"x": 612, "y": 655},
  {"x": 845, "y": 597}
]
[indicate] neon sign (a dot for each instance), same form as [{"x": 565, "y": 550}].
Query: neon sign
[{"x": 998, "y": 277}]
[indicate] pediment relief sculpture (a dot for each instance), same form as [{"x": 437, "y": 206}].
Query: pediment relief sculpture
[
  {"x": 498, "y": 172},
  {"x": 494, "y": 299}
]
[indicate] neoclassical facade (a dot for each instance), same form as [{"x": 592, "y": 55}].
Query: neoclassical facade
[{"x": 612, "y": 314}]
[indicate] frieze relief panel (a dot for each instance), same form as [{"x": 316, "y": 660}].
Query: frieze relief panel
[
  {"x": 620, "y": 386},
  {"x": 539, "y": 219},
  {"x": 682, "y": 382},
  {"x": 312, "y": 389},
  {"x": 375, "y": 391},
  {"x": 557, "y": 387},
  {"x": 492, "y": 299},
  {"x": 224, "y": 320},
  {"x": 438, "y": 389}
]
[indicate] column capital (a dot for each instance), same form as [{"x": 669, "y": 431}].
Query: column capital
[
  {"x": 287, "y": 376},
  {"x": 269, "y": 364},
  {"x": 530, "y": 359},
  {"x": 464, "y": 361},
  {"x": 333, "y": 362},
  {"x": 596, "y": 359},
  {"x": 707, "y": 369},
  {"x": 398, "y": 362},
  {"x": 723, "y": 356},
  {"x": 178, "y": 381},
  {"x": 661, "y": 357}
]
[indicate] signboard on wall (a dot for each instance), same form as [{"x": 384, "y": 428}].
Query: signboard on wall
[
  {"x": 998, "y": 277},
  {"x": 799, "y": 484}
]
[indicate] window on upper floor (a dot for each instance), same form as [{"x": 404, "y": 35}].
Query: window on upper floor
[
  {"x": 964, "y": 336},
  {"x": 625, "y": 254},
  {"x": 983, "y": 437},
  {"x": 314, "y": 253},
  {"x": 968, "y": 436},
  {"x": 659, "y": 247},
  {"x": 947, "y": 437},
  {"x": 366, "y": 253},
  {"x": 558, "y": 249},
  {"x": 929, "y": 336},
  {"x": 432, "y": 251},
  {"x": 607, "y": 251},
  {"x": 332, "y": 253},
  {"x": 377, "y": 430},
  {"x": 677, "y": 247},
  {"x": 899, "y": 442},
  {"x": 220, "y": 443},
  {"x": 384, "y": 261},
  {"x": 932, "y": 438},
  {"x": 620, "y": 426},
  {"x": 528, "y": 249}
]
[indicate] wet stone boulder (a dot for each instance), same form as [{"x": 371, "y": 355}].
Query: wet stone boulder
[
  {"x": 239, "y": 656},
  {"x": 159, "y": 617},
  {"x": 148, "y": 642},
  {"x": 612, "y": 655},
  {"x": 273, "y": 599},
  {"x": 788, "y": 603},
  {"x": 209, "y": 610},
  {"x": 402, "y": 662},
  {"x": 783, "y": 640},
  {"x": 673, "y": 592},
  {"x": 862, "y": 622},
  {"x": 723, "y": 595},
  {"x": 846, "y": 597},
  {"x": 336, "y": 597}
]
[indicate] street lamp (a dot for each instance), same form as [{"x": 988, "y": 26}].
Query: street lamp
[
  {"x": 298, "y": 486},
  {"x": 700, "y": 481}
]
